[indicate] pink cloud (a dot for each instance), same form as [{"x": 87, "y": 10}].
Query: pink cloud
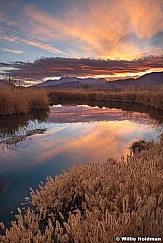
[{"x": 12, "y": 51}]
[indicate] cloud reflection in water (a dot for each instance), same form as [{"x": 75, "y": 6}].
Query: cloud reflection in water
[{"x": 74, "y": 134}]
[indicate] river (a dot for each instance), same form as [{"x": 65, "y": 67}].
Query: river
[{"x": 71, "y": 133}]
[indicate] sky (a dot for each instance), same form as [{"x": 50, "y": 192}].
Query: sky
[{"x": 97, "y": 38}]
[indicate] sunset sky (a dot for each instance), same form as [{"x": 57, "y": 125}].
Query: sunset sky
[{"x": 97, "y": 38}]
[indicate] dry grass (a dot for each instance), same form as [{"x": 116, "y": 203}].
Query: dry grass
[
  {"x": 14, "y": 100},
  {"x": 94, "y": 203},
  {"x": 152, "y": 97}
]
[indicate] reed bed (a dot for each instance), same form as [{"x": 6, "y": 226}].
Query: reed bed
[
  {"x": 95, "y": 203},
  {"x": 16, "y": 100},
  {"x": 151, "y": 97}
]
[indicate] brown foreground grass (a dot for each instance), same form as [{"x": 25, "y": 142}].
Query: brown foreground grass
[
  {"x": 17, "y": 100},
  {"x": 95, "y": 203},
  {"x": 151, "y": 97}
]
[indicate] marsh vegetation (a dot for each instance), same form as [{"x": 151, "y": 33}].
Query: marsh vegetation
[
  {"x": 150, "y": 97},
  {"x": 19, "y": 100},
  {"x": 89, "y": 202},
  {"x": 95, "y": 203}
]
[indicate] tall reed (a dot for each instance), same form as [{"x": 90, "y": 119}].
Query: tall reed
[
  {"x": 151, "y": 96},
  {"x": 14, "y": 100},
  {"x": 95, "y": 203}
]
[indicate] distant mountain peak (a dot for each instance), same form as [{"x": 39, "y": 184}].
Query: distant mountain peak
[{"x": 147, "y": 80}]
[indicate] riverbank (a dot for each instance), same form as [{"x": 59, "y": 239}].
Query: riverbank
[
  {"x": 18, "y": 100},
  {"x": 150, "y": 97},
  {"x": 96, "y": 203}
]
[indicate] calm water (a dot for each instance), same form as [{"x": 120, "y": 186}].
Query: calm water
[{"x": 74, "y": 134}]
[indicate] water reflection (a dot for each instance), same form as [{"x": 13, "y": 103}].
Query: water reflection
[
  {"x": 86, "y": 113},
  {"x": 74, "y": 134},
  {"x": 18, "y": 124},
  {"x": 129, "y": 108}
]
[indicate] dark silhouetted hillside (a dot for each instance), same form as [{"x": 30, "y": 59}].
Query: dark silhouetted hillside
[{"x": 147, "y": 80}]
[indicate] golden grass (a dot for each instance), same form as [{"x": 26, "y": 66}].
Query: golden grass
[
  {"x": 94, "y": 203},
  {"x": 14, "y": 100},
  {"x": 151, "y": 97}
]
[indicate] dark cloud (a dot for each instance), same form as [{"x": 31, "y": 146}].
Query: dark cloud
[
  {"x": 2, "y": 64},
  {"x": 60, "y": 67}
]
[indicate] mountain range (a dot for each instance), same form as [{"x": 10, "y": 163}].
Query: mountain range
[{"x": 147, "y": 80}]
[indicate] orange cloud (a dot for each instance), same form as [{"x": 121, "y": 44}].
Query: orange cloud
[
  {"x": 146, "y": 16},
  {"x": 107, "y": 29}
]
